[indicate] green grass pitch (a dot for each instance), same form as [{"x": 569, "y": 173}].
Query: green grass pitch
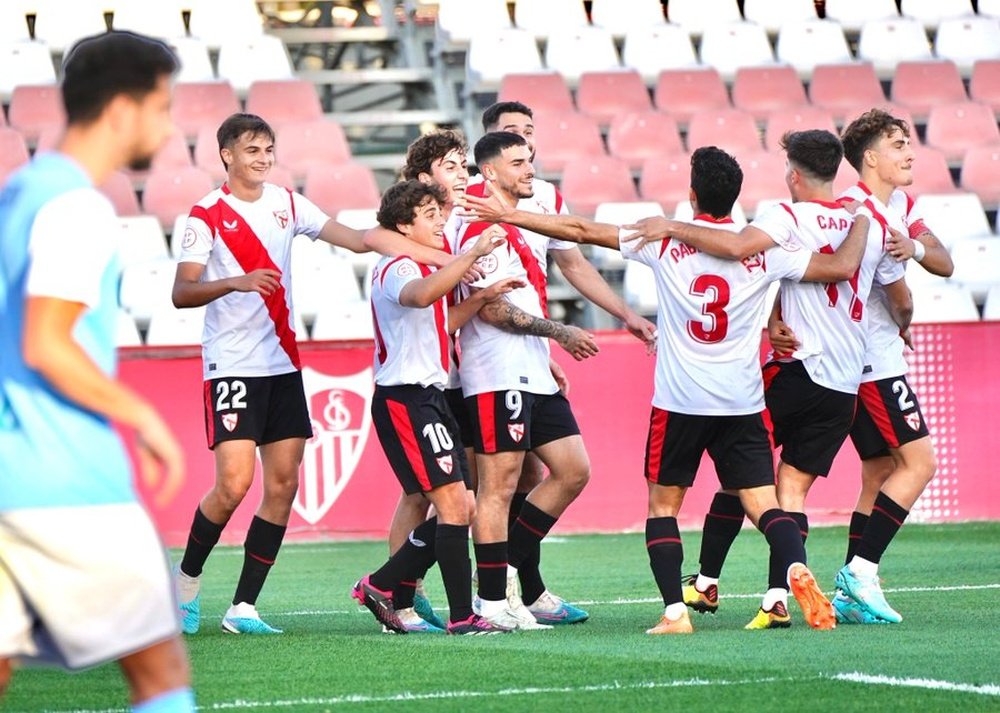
[{"x": 944, "y": 579}]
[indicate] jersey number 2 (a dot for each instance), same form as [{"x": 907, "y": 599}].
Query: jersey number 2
[
  {"x": 232, "y": 394},
  {"x": 715, "y": 290}
]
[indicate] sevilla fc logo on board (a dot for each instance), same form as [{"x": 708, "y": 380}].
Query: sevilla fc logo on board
[
  {"x": 516, "y": 431},
  {"x": 282, "y": 217},
  {"x": 445, "y": 463},
  {"x": 229, "y": 421},
  {"x": 912, "y": 420},
  {"x": 340, "y": 411}
]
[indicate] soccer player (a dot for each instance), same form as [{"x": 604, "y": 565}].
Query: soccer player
[
  {"x": 83, "y": 576},
  {"x": 512, "y": 397},
  {"x": 235, "y": 259},
  {"x": 412, "y": 418},
  {"x": 810, "y": 393}
]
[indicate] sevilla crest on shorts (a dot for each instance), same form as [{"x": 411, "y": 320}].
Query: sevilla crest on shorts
[
  {"x": 445, "y": 463},
  {"x": 912, "y": 420},
  {"x": 516, "y": 431},
  {"x": 282, "y": 217},
  {"x": 229, "y": 421}
]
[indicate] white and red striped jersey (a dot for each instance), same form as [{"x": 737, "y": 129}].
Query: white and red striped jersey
[
  {"x": 493, "y": 359},
  {"x": 411, "y": 343},
  {"x": 709, "y": 312},
  {"x": 247, "y": 334},
  {"x": 829, "y": 320},
  {"x": 884, "y": 354}
]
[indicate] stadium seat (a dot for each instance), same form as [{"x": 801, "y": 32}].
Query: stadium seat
[
  {"x": 243, "y": 62},
  {"x": 763, "y": 177},
  {"x": 158, "y": 19},
  {"x": 459, "y": 20},
  {"x": 727, "y": 46},
  {"x": 13, "y": 22},
  {"x": 852, "y": 15},
  {"x": 955, "y": 128},
  {"x": 696, "y": 16},
  {"x": 685, "y": 211},
  {"x": 981, "y": 174},
  {"x": 338, "y": 320},
  {"x": 301, "y": 145},
  {"x": 175, "y": 327},
  {"x": 990, "y": 8},
  {"x": 653, "y": 48},
  {"x": 175, "y": 153},
  {"x": 196, "y": 65},
  {"x": 359, "y": 219},
  {"x": 216, "y": 22},
  {"x": 24, "y": 63},
  {"x": 967, "y": 39},
  {"x": 145, "y": 289},
  {"x": 732, "y": 130},
  {"x": 954, "y": 217},
  {"x": 762, "y": 91},
  {"x": 140, "y": 239},
  {"x": 321, "y": 277},
  {"x": 846, "y": 178},
  {"x": 885, "y": 43},
  {"x": 772, "y": 14},
  {"x": 340, "y": 186},
  {"x": 620, "y": 17},
  {"x": 666, "y": 180},
  {"x": 13, "y": 152},
  {"x": 619, "y": 214},
  {"x": 930, "y": 171},
  {"x": 807, "y": 117},
  {"x": 202, "y": 104},
  {"x": 977, "y": 265},
  {"x": 932, "y": 12},
  {"x": 491, "y": 55},
  {"x": 542, "y": 17},
  {"x": 920, "y": 85},
  {"x": 49, "y": 138},
  {"x": 177, "y": 235},
  {"x": 607, "y": 95},
  {"x": 841, "y": 87},
  {"x": 943, "y": 303},
  {"x": 171, "y": 192},
  {"x": 635, "y": 137},
  {"x": 60, "y": 24},
  {"x": 682, "y": 93},
  {"x": 572, "y": 51},
  {"x": 120, "y": 191},
  {"x": 206, "y": 154},
  {"x": 34, "y": 108},
  {"x": 542, "y": 91},
  {"x": 126, "y": 333},
  {"x": 984, "y": 85},
  {"x": 991, "y": 307},
  {"x": 284, "y": 101},
  {"x": 806, "y": 43},
  {"x": 639, "y": 288},
  {"x": 590, "y": 180},
  {"x": 563, "y": 137}
]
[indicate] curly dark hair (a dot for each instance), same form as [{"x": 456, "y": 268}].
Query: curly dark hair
[
  {"x": 862, "y": 133},
  {"x": 815, "y": 152},
  {"x": 401, "y": 200},
  {"x": 716, "y": 179},
  {"x": 430, "y": 148}
]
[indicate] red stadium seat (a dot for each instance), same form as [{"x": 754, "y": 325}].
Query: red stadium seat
[
  {"x": 984, "y": 86},
  {"x": 763, "y": 177},
  {"x": 34, "y": 108},
  {"x": 173, "y": 154},
  {"x": 683, "y": 93},
  {"x": 171, "y": 192},
  {"x": 588, "y": 181},
  {"x": 981, "y": 174},
  {"x": 839, "y": 87},
  {"x": 120, "y": 191},
  {"x": 13, "y": 151},
  {"x": 930, "y": 172},
  {"x": 731, "y": 130},
  {"x": 299, "y": 146},
  {"x": 201, "y": 104},
  {"x": 807, "y": 117},
  {"x": 606, "y": 95},
  {"x": 666, "y": 180},
  {"x": 955, "y": 128},
  {"x": 206, "y": 154},
  {"x": 920, "y": 85},
  {"x": 345, "y": 185},
  {"x": 281, "y": 176},
  {"x": 635, "y": 137},
  {"x": 846, "y": 177},
  {"x": 563, "y": 137},
  {"x": 542, "y": 91},
  {"x": 284, "y": 101},
  {"x": 49, "y": 138},
  {"x": 762, "y": 91}
]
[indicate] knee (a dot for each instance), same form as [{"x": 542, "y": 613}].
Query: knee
[
  {"x": 230, "y": 491},
  {"x": 282, "y": 488},
  {"x": 574, "y": 479}
]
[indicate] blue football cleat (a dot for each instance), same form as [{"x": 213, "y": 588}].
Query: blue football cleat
[
  {"x": 243, "y": 618},
  {"x": 191, "y": 615},
  {"x": 422, "y": 606},
  {"x": 865, "y": 590},
  {"x": 849, "y": 611},
  {"x": 552, "y": 609}
]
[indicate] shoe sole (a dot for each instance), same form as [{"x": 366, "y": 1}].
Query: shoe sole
[
  {"x": 816, "y": 608},
  {"x": 702, "y": 607},
  {"x": 893, "y": 618}
]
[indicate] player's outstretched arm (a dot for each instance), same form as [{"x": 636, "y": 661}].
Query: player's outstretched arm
[
  {"x": 844, "y": 262},
  {"x": 925, "y": 248},
  {"x": 492, "y": 209},
  {"x": 900, "y": 303},
  {"x": 427, "y": 291},
  {"x": 190, "y": 291},
  {"x": 503, "y": 315},
  {"x": 712, "y": 241},
  {"x": 343, "y": 237},
  {"x": 393, "y": 244}
]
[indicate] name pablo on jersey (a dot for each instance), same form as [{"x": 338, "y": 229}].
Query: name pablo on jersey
[{"x": 682, "y": 250}]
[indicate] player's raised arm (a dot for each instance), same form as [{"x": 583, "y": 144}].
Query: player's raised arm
[
  {"x": 425, "y": 292},
  {"x": 389, "y": 242},
  {"x": 924, "y": 247},
  {"x": 341, "y": 236},
  {"x": 720, "y": 243}
]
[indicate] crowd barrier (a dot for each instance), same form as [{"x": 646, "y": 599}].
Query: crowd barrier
[{"x": 347, "y": 490}]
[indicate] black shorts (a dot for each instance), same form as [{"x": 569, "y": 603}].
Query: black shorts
[
  {"x": 456, "y": 402},
  {"x": 740, "y": 447},
  {"x": 519, "y": 420},
  {"x": 888, "y": 417},
  {"x": 810, "y": 422},
  {"x": 263, "y": 409},
  {"x": 419, "y": 437}
]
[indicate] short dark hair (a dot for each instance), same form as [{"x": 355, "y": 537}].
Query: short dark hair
[
  {"x": 238, "y": 124},
  {"x": 716, "y": 179},
  {"x": 862, "y": 133},
  {"x": 100, "y": 67},
  {"x": 816, "y": 152},
  {"x": 494, "y": 143},
  {"x": 430, "y": 148},
  {"x": 401, "y": 200},
  {"x": 491, "y": 116}
]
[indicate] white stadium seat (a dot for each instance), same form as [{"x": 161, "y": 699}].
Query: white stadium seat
[
  {"x": 944, "y": 303},
  {"x": 146, "y": 288},
  {"x": 977, "y": 265},
  {"x": 175, "y": 327},
  {"x": 140, "y": 239},
  {"x": 344, "y": 320},
  {"x": 953, "y": 217}
]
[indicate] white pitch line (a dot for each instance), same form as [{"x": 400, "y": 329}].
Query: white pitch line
[{"x": 987, "y": 689}]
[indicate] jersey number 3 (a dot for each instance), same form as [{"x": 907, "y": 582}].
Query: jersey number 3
[{"x": 714, "y": 326}]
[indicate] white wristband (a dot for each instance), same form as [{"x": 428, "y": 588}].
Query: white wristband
[{"x": 919, "y": 251}]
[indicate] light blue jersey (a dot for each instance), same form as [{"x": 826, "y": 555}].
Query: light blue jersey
[{"x": 56, "y": 240}]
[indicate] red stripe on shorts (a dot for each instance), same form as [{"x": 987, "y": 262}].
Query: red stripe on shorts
[
  {"x": 872, "y": 400},
  {"x": 657, "y": 434},
  {"x": 487, "y": 421},
  {"x": 209, "y": 413},
  {"x": 408, "y": 438}
]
